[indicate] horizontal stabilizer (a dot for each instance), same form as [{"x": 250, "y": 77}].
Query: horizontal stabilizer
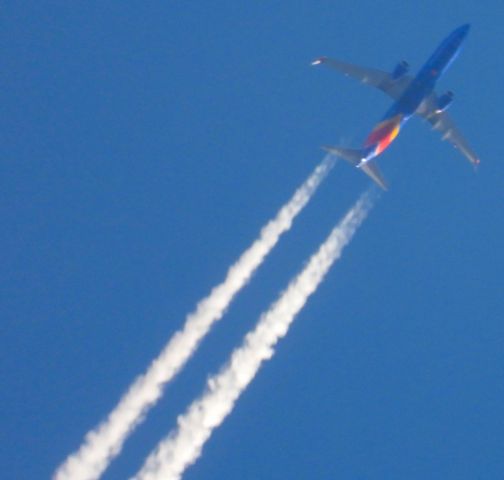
[
  {"x": 358, "y": 159},
  {"x": 371, "y": 169},
  {"x": 352, "y": 156}
]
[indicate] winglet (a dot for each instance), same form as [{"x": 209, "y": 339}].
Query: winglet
[{"x": 318, "y": 61}]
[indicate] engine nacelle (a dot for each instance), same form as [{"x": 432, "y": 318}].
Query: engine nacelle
[
  {"x": 400, "y": 70},
  {"x": 444, "y": 101}
]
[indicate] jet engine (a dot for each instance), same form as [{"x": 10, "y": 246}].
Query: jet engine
[
  {"x": 400, "y": 70},
  {"x": 444, "y": 101}
]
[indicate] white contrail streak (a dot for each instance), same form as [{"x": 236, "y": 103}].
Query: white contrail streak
[
  {"x": 104, "y": 443},
  {"x": 183, "y": 446}
]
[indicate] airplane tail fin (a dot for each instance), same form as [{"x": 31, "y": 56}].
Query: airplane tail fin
[{"x": 356, "y": 158}]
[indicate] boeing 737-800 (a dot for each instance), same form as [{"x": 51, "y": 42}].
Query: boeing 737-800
[{"x": 412, "y": 96}]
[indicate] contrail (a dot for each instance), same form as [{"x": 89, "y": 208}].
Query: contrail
[
  {"x": 183, "y": 446},
  {"x": 104, "y": 443}
]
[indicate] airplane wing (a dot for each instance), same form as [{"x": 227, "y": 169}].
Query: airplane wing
[
  {"x": 369, "y": 76},
  {"x": 372, "y": 170},
  {"x": 443, "y": 123}
]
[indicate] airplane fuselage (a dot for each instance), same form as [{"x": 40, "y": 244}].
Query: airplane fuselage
[{"x": 417, "y": 91}]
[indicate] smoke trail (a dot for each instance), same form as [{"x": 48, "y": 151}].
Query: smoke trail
[
  {"x": 183, "y": 446},
  {"x": 104, "y": 443}
]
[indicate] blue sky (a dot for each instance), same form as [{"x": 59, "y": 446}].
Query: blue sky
[{"x": 144, "y": 146}]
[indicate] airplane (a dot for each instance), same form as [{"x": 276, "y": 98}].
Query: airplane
[{"x": 413, "y": 96}]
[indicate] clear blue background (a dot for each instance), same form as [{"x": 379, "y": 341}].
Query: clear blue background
[{"x": 144, "y": 144}]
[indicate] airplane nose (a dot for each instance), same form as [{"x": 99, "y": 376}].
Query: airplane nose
[{"x": 464, "y": 29}]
